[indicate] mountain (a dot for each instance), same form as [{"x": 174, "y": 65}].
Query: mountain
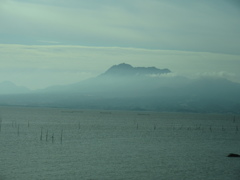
[
  {"x": 117, "y": 80},
  {"x": 8, "y": 87},
  {"x": 123, "y": 87},
  {"x": 128, "y": 70}
]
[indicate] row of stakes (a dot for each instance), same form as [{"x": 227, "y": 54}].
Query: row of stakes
[
  {"x": 52, "y": 137},
  {"x": 198, "y": 127},
  {"x": 14, "y": 124}
]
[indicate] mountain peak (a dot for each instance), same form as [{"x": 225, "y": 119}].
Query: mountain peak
[
  {"x": 8, "y": 87},
  {"x": 122, "y": 65},
  {"x": 124, "y": 69}
]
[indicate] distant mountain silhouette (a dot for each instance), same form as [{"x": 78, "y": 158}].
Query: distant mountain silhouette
[
  {"x": 128, "y": 70},
  {"x": 8, "y": 87},
  {"x": 116, "y": 80},
  {"x": 123, "y": 87}
]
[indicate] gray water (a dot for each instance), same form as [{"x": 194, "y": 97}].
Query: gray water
[{"x": 41, "y": 143}]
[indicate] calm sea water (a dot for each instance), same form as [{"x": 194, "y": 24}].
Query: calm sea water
[{"x": 60, "y": 144}]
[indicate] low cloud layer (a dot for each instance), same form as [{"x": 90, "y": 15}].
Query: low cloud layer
[
  {"x": 204, "y": 26},
  {"x": 51, "y": 42},
  {"x": 41, "y": 66}
]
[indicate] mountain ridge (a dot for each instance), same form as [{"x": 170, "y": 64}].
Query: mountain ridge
[
  {"x": 119, "y": 75},
  {"x": 8, "y": 87},
  {"x": 131, "y": 91},
  {"x": 124, "y": 69}
]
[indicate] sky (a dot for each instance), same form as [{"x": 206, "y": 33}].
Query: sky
[{"x": 50, "y": 42}]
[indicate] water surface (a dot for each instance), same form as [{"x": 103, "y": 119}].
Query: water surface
[{"x": 42, "y": 143}]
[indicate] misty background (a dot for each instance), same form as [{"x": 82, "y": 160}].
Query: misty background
[
  {"x": 55, "y": 53},
  {"x": 124, "y": 87}
]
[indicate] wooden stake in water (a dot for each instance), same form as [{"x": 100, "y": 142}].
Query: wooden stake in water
[
  {"x": 18, "y": 129},
  {"x": 154, "y": 127},
  {"x": 61, "y": 135},
  {"x": 47, "y": 135},
  {"x": 41, "y": 135},
  {"x": 0, "y": 124},
  {"x": 52, "y": 137}
]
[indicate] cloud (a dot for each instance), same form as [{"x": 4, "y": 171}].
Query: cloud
[
  {"x": 167, "y": 75},
  {"x": 68, "y": 24},
  {"x": 171, "y": 25},
  {"x": 49, "y": 42},
  {"x": 38, "y": 66},
  {"x": 221, "y": 74}
]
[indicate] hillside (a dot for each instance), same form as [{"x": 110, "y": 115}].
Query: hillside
[
  {"x": 123, "y": 87},
  {"x": 8, "y": 87},
  {"x": 124, "y": 70}
]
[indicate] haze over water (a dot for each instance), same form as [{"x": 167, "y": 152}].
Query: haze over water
[{"x": 64, "y": 54}]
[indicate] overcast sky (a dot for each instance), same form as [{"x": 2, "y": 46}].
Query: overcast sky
[{"x": 47, "y": 42}]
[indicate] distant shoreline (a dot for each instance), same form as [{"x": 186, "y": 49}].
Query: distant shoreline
[{"x": 110, "y": 111}]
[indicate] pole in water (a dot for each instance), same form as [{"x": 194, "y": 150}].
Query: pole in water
[
  {"x": 61, "y": 135},
  {"x": 0, "y": 124},
  {"x": 41, "y": 134},
  {"x": 47, "y": 135},
  {"x": 18, "y": 129},
  {"x": 52, "y": 137},
  {"x": 154, "y": 127}
]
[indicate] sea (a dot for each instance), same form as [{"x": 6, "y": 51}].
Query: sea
[{"x": 74, "y": 144}]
